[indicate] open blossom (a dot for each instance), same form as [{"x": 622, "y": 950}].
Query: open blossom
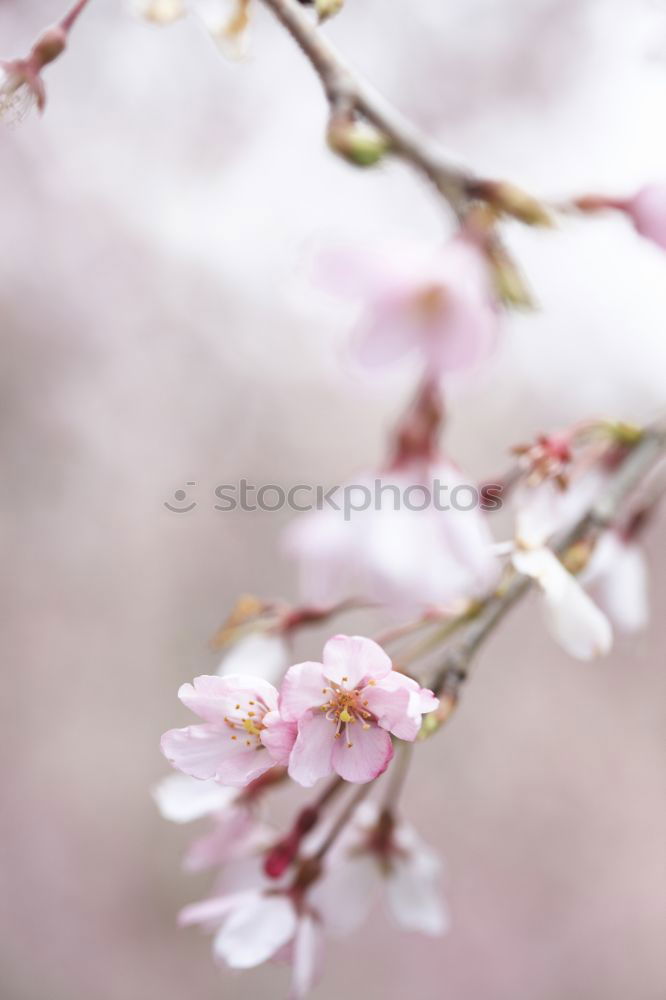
[
  {"x": 376, "y": 855},
  {"x": 647, "y": 210},
  {"x": 255, "y": 925},
  {"x": 236, "y": 831},
  {"x": 381, "y": 550},
  {"x": 259, "y": 654},
  {"x": 436, "y": 302},
  {"x": 242, "y": 735},
  {"x": 346, "y": 708}
]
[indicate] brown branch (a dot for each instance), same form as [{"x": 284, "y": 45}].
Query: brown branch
[
  {"x": 347, "y": 90},
  {"x": 602, "y": 515}
]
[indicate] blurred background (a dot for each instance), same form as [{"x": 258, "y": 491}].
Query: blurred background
[{"x": 158, "y": 330}]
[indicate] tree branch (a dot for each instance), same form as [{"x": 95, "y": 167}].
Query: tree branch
[
  {"x": 346, "y": 90},
  {"x": 603, "y": 513}
]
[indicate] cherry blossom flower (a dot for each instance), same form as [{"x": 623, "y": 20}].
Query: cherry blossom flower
[
  {"x": 377, "y": 855},
  {"x": 391, "y": 554},
  {"x": 236, "y": 831},
  {"x": 647, "y": 210},
  {"x": 617, "y": 578},
  {"x": 242, "y": 735},
  {"x": 255, "y": 925},
  {"x": 159, "y": 11},
  {"x": 259, "y": 654},
  {"x": 345, "y": 709},
  {"x": 435, "y": 301}
]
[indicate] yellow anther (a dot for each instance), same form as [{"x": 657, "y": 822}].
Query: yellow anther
[
  {"x": 249, "y": 727},
  {"x": 345, "y": 716}
]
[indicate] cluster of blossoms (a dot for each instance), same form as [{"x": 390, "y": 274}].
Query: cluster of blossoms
[
  {"x": 338, "y": 717},
  {"x": 265, "y": 723}
]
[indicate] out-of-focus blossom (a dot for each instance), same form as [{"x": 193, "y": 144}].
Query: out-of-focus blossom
[
  {"x": 258, "y": 654},
  {"x": 228, "y": 24},
  {"x": 159, "y": 11},
  {"x": 437, "y": 302},
  {"x": 256, "y": 925},
  {"x": 379, "y": 549},
  {"x": 571, "y": 615},
  {"x": 617, "y": 578},
  {"x": 647, "y": 211},
  {"x": 242, "y": 735},
  {"x": 236, "y": 831},
  {"x": 345, "y": 709},
  {"x": 374, "y": 855}
]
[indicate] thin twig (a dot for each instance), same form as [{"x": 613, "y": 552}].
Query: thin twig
[
  {"x": 602, "y": 515},
  {"x": 345, "y": 89}
]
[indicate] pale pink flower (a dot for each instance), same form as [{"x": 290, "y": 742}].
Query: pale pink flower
[
  {"x": 236, "y": 831},
  {"x": 434, "y": 301},
  {"x": 242, "y": 735},
  {"x": 647, "y": 210},
  {"x": 391, "y": 554},
  {"x": 345, "y": 709},
  {"x": 159, "y": 11},
  {"x": 375, "y": 857},
  {"x": 617, "y": 578},
  {"x": 256, "y": 925},
  {"x": 259, "y": 654}
]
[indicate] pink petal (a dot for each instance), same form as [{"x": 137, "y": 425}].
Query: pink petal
[
  {"x": 648, "y": 212},
  {"x": 391, "y": 708},
  {"x": 211, "y": 911},
  {"x": 348, "y": 660},
  {"x": 311, "y": 757},
  {"x": 302, "y": 689},
  {"x": 245, "y": 766},
  {"x": 214, "y": 697},
  {"x": 278, "y": 737},
  {"x": 385, "y": 333},
  {"x": 368, "y": 756},
  {"x": 196, "y": 750},
  {"x": 222, "y": 843}
]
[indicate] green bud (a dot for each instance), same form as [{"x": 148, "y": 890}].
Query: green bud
[{"x": 357, "y": 141}]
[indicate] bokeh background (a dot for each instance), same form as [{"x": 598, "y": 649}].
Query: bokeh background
[{"x": 158, "y": 329}]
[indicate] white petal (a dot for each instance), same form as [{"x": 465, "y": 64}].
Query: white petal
[
  {"x": 306, "y": 957},
  {"x": 413, "y": 892},
  {"x": 617, "y": 578},
  {"x": 577, "y": 624},
  {"x": 182, "y": 799},
  {"x": 255, "y": 930},
  {"x": 345, "y": 895},
  {"x": 258, "y": 655}
]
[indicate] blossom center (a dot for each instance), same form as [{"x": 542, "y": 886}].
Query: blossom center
[
  {"x": 247, "y": 722},
  {"x": 345, "y": 707},
  {"x": 431, "y": 301}
]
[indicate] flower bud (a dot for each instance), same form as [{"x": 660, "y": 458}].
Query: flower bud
[
  {"x": 511, "y": 200},
  {"x": 356, "y": 141},
  {"x": 49, "y": 46},
  {"x": 510, "y": 286},
  {"x": 328, "y": 8}
]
